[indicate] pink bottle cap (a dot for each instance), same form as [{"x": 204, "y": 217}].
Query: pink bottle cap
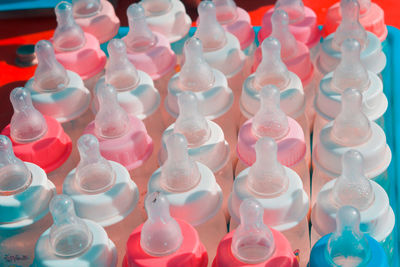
[
  {"x": 37, "y": 139},
  {"x": 77, "y": 51},
  {"x": 96, "y": 17},
  {"x": 123, "y": 138},
  {"x": 302, "y": 22},
  {"x": 167, "y": 17},
  {"x": 271, "y": 121},
  {"x": 148, "y": 51},
  {"x": 371, "y": 18}
]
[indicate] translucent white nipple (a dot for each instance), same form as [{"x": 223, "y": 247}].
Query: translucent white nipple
[
  {"x": 350, "y": 27},
  {"x": 120, "y": 72},
  {"x": 161, "y": 234},
  {"x": 156, "y": 7},
  {"x": 271, "y": 69},
  {"x": 14, "y": 175},
  {"x": 351, "y": 127},
  {"x": 190, "y": 122},
  {"x": 69, "y": 234},
  {"x": 267, "y": 177},
  {"x": 252, "y": 241},
  {"x": 294, "y": 8},
  {"x": 196, "y": 75},
  {"x": 140, "y": 37},
  {"x": 68, "y": 35},
  {"x": 111, "y": 120},
  {"x": 226, "y": 10},
  {"x": 350, "y": 73},
  {"x": 27, "y": 124},
  {"x": 280, "y": 30},
  {"x": 50, "y": 75},
  {"x": 347, "y": 246},
  {"x": 86, "y": 8},
  {"x": 179, "y": 172},
  {"x": 270, "y": 120},
  {"x": 209, "y": 31},
  {"x": 352, "y": 187},
  {"x": 94, "y": 173}
]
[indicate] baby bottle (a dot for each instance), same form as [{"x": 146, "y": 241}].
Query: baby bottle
[
  {"x": 164, "y": 241},
  {"x": 72, "y": 241},
  {"x": 253, "y": 243},
  {"x": 76, "y": 50},
  {"x": 39, "y": 139},
  {"x": 192, "y": 191},
  {"x": 25, "y": 194},
  {"x": 347, "y": 245},
  {"x": 280, "y": 192},
  {"x": 271, "y": 121},
  {"x": 96, "y": 17}
]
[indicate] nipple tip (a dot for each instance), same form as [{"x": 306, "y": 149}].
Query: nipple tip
[
  {"x": 87, "y": 141},
  {"x": 280, "y": 16},
  {"x": 206, "y": 6},
  {"x": 136, "y": 11},
  {"x": 350, "y": 45},
  {"x": 270, "y": 92},
  {"x": 116, "y": 45},
  {"x": 63, "y": 7},
  {"x": 266, "y": 146},
  {"x": 347, "y": 216},
  {"x": 250, "y": 209},
  {"x": 61, "y": 205},
  {"x": 156, "y": 200},
  {"x": 270, "y": 43}
]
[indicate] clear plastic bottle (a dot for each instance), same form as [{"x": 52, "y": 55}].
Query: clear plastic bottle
[
  {"x": 25, "y": 193},
  {"x": 72, "y": 241},
  {"x": 280, "y": 192},
  {"x": 103, "y": 192},
  {"x": 76, "y": 50},
  {"x": 272, "y": 122},
  {"x": 347, "y": 245},
  {"x": 192, "y": 191}
]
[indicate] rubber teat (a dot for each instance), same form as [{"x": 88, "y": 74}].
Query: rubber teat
[
  {"x": 294, "y": 8},
  {"x": 156, "y": 7},
  {"x": 280, "y": 30},
  {"x": 226, "y": 11},
  {"x": 161, "y": 234},
  {"x": 347, "y": 246},
  {"x": 364, "y": 5},
  {"x": 140, "y": 37},
  {"x": 350, "y": 73},
  {"x": 252, "y": 241},
  {"x": 350, "y": 27},
  {"x": 270, "y": 120},
  {"x": 179, "y": 172},
  {"x": 267, "y": 177},
  {"x": 351, "y": 127},
  {"x": 14, "y": 175},
  {"x": 209, "y": 31},
  {"x": 68, "y": 35},
  {"x": 86, "y": 8},
  {"x": 27, "y": 124},
  {"x": 190, "y": 122},
  {"x": 120, "y": 72},
  {"x": 271, "y": 69},
  {"x": 111, "y": 121},
  {"x": 50, "y": 75},
  {"x": 69, "y": 234},
  {"x": 196, "y": 75},
  {"x": 94, "y": 173},
  {"x": 352, "y": 187}
]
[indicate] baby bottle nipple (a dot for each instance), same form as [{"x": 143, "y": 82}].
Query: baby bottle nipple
[
  {"x": 252, "y": 241},
  {"x": 352, "y": 187},
  {"x": 27, "y": 124},
  {"x": 120, "y": 72},
  {"x": 161, "y": 234},
  {"x": 294, "y": 8},
  {"x": 347, "y": 246},
  {"x": 196, "y": 75},
  {"x": 111, "y": 121},
  {"x": 271, "y": 69},
  {"x": 190, "y": 122},
  {"x": 280, "y": 30},
  {"x": 267, "y": 177},
  {"x": 350, "y": 27},
  {"x": 270, "y": 120},
  {"x": 69, "y": 234},
  {"x": 68, "y": 36},
  {"x": 14, "y": 175},
  {"x": 350, "y": 73},
  {"x": 226, "y": 10},
  {"x": 50, "y": 75},
  {"x": 94, "y": 173},
  {"x": 351, "y": 127},
  {"x": 86, "y": 8},
  {"x": 209, "y": 31},
  {"x": 179, "y": 173}
]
